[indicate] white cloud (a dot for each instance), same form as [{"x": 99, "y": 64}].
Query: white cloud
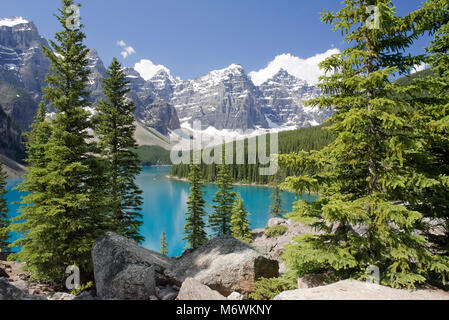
[
  {"x": 419, "y": 67},
  {"x": 147, "y": 69},
  {"x": 127, "y": 51},
  {"x": 305, "y": 69}
]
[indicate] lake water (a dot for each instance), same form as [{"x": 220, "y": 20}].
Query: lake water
[{"x": 165, "y": 206}]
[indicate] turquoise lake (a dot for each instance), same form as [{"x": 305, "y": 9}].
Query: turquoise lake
[{"x": 165, "y": 206}]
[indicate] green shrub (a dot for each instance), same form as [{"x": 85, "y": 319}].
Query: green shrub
[
  {"x": 276, "y": 231},
  {"x": 267, "y": 289},
  {"x": 82, "y": 288}
]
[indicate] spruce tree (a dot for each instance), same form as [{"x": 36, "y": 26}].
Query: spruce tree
[
  {"x": 195, "y": 225},
  {"x": 239, "y": 221},
  {"x": 362, "y": 176},
  {"x": 220, "y": 219},
  {"x": 164, "y": 244},
  {"x": 114, "y": 127},
  {"x": 4, "y": 220},
  {"x": 430, "y": 97},
  {"x": 276, "y": 210},
  {"x": 63, "y": 213}
]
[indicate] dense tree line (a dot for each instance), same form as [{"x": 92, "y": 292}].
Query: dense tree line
[{"x": 313, "y": 138}]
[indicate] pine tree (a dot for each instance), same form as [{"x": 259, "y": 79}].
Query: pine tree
[
  {"x": 164, "y": 244},
  {"x": 195, "y": 225},
  {"x": 63, "y": 213},
  {"x": 430, "y": 96},
  {"x": 276, "y": 203},
  {"x": 239, "y": 221},
  {"x": 114, "y": 127},
  {"x": 276, "y": 200},
  {"x": 4, "y": 220},
  {"x": 362, "y": 176},
  {"x": 220, "y": 219}
]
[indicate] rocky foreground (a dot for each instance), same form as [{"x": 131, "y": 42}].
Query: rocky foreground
[{"x": 222, "y": 269}]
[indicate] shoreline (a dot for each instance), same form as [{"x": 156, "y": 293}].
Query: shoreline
[
  {"x": 210, "y": 182},
  {"x": 237, "y": 184}
]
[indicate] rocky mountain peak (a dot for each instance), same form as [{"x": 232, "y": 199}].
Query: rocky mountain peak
[
  {"x": 283, "y": 77},
  {"x": 284, "y": 100}
]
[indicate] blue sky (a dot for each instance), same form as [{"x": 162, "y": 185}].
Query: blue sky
[{"x": 194, "y": 37}]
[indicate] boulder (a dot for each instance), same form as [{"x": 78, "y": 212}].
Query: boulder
[
  {"x": 166, "y": 293},
  {"x": 9, "y": 292},
  {"x": 62, "y": 296},
  {"x": 235, "y": 296},
  {"x": 276, "y": 222},
  {"x": 87, "y": 295},
  {"x": 357, "y": 290},
  {"x": 225, "y": 264},
  {"x": 122, "y": 268},
  {"x": 274, "y": 246},
  {"x": 192, "y": 289},
  {"x": 134, "y": 283}
]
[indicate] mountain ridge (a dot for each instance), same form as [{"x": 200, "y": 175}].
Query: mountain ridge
[{"x": 225, "y": 99}]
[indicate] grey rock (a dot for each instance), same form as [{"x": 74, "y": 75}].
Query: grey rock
[
  {"x": 9, "y": 292},
  {"x": 87, "y": 295},
  {"x": 235, "y": 296},
  {"x": 166, "y": 293},
  {"x": 192, "y": 289},
  {"x": 274, "y": 246},
  {"x": 357, "y": 290},
  {"x": 276, "y": 222},
  {"x": 133, "y": 283},
  {"x": 113, "y": 254},
  {"x": 62, "y": 296},
  {"x": 225, "y": 264}
]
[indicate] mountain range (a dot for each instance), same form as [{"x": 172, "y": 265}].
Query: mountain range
[{"x": 225, "y": 99}]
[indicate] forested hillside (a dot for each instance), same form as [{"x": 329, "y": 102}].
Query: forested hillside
[{"x": 307, "y": 139}]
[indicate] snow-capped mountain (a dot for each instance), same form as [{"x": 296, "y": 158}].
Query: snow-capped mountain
[
  {"x": 284, "y": 97},
  {"x": 224, "y": 99},
  {"x": 228, "y": 99},
  {"x": 23, "y": 67}
]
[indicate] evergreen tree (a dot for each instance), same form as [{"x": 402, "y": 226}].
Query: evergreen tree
[
  {"x": 220, "y": 219},
  {"x": 63, "y": 213},
  {"x": 4, "y": 220},
  {"x": 114, "y": 127},
  {"x": 239, "y": 221},
  {"x": 362, "y": 177},
  {"x": 195, "y": 225},
  {"x": 164, "y": 244},
  {"x": 276, "y": 200},
  {"x": 430, "y": 97}
]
